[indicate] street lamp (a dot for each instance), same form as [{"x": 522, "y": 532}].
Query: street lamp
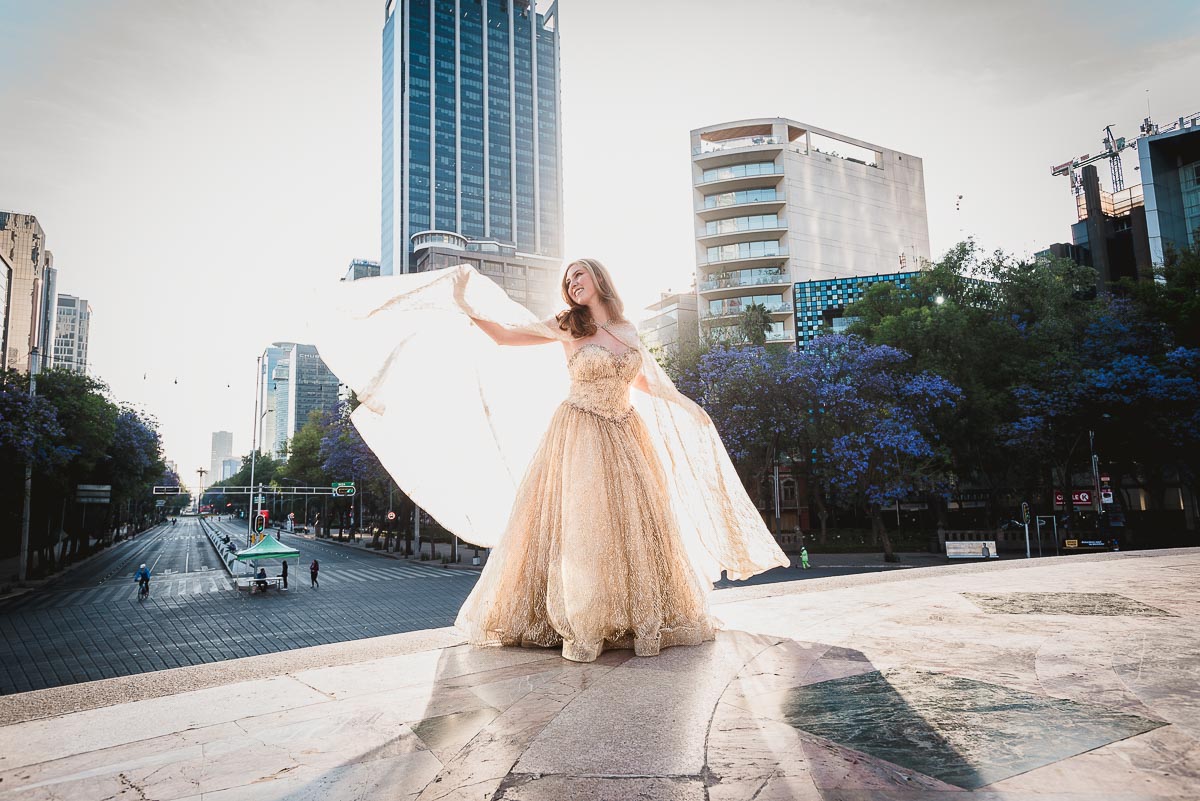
[
  {"x": 255, "y": 437},
  {"x": 34, "y": 367},
  {"x": 200, "y": 492},
  {"x": 292, "y": 500}
]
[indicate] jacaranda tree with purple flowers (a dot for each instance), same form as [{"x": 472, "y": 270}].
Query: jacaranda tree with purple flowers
[{"x": 873, "y": 426}]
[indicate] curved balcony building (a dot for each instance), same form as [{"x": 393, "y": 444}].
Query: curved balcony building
[{"x": 778, "y": 202}]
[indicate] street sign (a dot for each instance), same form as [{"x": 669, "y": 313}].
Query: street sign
[
  {"x": 93, "y": 493},
  {"x": 260, "y": 499},
  {"x": 391, "y": 515},
  {"x": 1106, "y": 495},
  {"x": 160, "y": 502},
  {"x": 168, "y": 490},
  {"x": 344, "y": 488}
]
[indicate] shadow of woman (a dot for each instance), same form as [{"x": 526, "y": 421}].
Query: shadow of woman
[{"x": 750, "y": 712}]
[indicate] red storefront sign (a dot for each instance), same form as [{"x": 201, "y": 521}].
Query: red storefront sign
[{"x": 1082, "y": 497}]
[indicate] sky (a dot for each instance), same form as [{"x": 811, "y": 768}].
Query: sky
[{"x": 199, "y": 166}]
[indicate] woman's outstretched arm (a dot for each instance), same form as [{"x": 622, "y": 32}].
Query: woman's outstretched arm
[{"x": 503, "y": 336}]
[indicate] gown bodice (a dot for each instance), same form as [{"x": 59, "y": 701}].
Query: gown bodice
[{"x": 600, "y": 380}]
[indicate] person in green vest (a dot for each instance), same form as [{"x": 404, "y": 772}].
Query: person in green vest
[{"x": 804, "y": 557}]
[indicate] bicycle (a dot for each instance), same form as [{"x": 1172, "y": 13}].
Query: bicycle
[{"x": 143, "y": 590}]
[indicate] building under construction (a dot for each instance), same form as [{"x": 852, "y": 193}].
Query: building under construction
[{"x": 1126, "y": 232}]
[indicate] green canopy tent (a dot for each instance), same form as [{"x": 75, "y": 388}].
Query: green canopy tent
[{"x": 267, "y": 548}]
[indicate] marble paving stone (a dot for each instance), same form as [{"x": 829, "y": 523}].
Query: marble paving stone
[
  {"x": 1164, "y": 762},
  {"x": 1063, "y": 603},
  {"x": 395, "y": 779},
  {"x": 393, "y": 673},
  {"x": 446, "y": 735},
  {"x": 639, "y": 720},
  {"x": 589, "y": 788},
  {"x": 97, "y": 729},
  {"x": 503, "y": 694},
  {"x": 478, "y": 769},
  {"x": 1041, "y": 794},
  {"x": 964, "y": 732},
  {"x": 744, "y": 754}
]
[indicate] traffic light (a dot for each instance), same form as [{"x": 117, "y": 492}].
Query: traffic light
[{"x": 260, "y": 523}]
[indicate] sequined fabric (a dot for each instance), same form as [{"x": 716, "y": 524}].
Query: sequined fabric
[{"x": 592, "y": 556}]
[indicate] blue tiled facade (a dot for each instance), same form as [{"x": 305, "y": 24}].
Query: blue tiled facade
[
  {"x": 471, "y": 144},
  {"x": 820, "y": 304}
]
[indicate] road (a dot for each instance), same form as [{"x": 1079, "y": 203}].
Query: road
[{"x": 89, "y": 625}]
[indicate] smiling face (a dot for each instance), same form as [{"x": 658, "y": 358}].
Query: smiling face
[{"x": 579, "y": 285}]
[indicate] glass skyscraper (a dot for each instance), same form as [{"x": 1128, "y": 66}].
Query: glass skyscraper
[{"x": 471, "y": 135}]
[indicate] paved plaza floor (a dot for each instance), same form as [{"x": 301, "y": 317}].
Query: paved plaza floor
[{"x": 1064, "y": 679}]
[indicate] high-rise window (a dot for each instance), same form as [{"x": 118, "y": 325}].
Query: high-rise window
[{"x": 470, "y": 126}]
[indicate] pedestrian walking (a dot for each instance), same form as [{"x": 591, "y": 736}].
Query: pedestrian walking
[
  {"x": 283, "y": 575},
  {"x": 804, "y": 558},
  {"x": 312, "y": 572}
]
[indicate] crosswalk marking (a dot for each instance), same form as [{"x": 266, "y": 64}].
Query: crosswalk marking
[{"x": 179, "y": 588}]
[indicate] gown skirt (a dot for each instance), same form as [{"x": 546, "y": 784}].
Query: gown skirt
[{"x": 591, "y": 558}]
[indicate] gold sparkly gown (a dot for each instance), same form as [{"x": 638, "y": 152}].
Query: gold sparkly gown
[
  {"x": 607, "y": 526},
  {"x": 592, "y": 556}
]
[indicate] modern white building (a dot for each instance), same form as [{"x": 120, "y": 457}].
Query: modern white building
[
  {"x": 31, "y": 314},
  {"x": 229, "y": 468},
  {"x": 779, "y": 202},
  {"x": 671, "y": 322},
  {"x": 222, "y": 449},
  {"x": 71, "y": 334},
  {"x": 280, "y": 401}
]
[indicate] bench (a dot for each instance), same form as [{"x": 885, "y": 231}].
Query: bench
[
  {"x": 972, "y": 549},
  {"x": 252, "y": 584}
]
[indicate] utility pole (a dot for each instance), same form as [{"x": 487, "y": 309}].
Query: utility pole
[
  {"x": 254, "y": 445},
  {"x": 22, "y": 568},
  {"x": 200, "y": 493}
]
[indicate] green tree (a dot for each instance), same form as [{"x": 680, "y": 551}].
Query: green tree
[
  {"x": 304, "y": 453},
  {"x": 753, "y": 324},
  {"x": 1174, "y": 298}
]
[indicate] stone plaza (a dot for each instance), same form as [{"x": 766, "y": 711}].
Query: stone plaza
[{"x": 1060, "y": 679}]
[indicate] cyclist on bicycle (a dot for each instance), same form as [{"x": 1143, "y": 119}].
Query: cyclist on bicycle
[{"x": 142, "y": 577}]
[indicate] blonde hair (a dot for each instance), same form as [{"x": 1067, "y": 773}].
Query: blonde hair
[{"x": 578, "y": 318}]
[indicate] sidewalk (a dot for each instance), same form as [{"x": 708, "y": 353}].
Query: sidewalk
[
  {"x": 1068, "y": 679},
  {"x": 465, "y": 550}
]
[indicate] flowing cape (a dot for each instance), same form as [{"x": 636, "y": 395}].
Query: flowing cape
[{"x": 456, "y": 418}]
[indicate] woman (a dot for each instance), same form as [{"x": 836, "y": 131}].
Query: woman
[
  {"x": 592, "y": 557},
  {"x": 596, "y": 545}
]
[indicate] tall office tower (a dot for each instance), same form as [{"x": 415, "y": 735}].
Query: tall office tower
[
  {"x": 229, "y": 467},
  {"x": 778, "y": 203},
  {"x": 32, "y": 293},
  {"x": 471, "y": 132},
  {"x": 222, "y": 449},
  {"x": 311, "y": 387},
  {"x": 71, "y": 334},
  {"x": 274, "y": 354},
  {"x": 6, "y": 274},
  {"x": 280, "y": 402}
]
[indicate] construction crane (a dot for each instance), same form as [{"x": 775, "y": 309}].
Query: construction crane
[{"x": 1113, "y": 145}]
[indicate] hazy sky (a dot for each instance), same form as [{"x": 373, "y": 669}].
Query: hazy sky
[{"x": 199, "y": 165}]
